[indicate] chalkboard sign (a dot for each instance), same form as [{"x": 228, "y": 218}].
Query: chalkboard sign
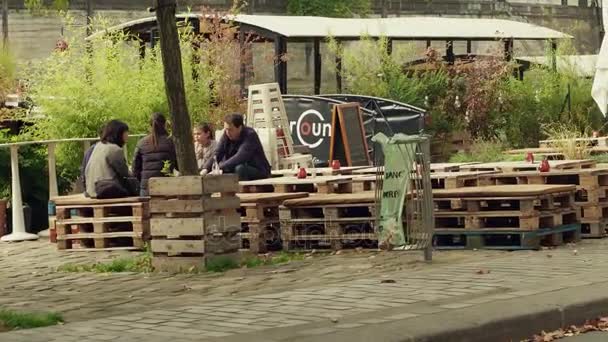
[{"x": 348, "y": 143}]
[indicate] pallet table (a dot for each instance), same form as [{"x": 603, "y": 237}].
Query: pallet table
[
  {"x": 526, "y": 166},
  {"x": 321, "y": 184},
  {"x": 321, "y": 171},
  {"x": 505, "y": 216},
  {"x": 194, "y": 220},
  {"x": 439, "y": 180},
  {"x": 84, "y": 223},
  {"x": 260, "y": 219},
  {"x": 435, "y": 167},
  {"x": 591, "y": 192},
  {"x": 329, "y": 218}
]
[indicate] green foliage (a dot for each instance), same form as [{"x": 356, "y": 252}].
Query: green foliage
[
  {"x": 492, "y": 104},
  {"x": 329, "y": 8},
  {"x": 37, "y": 7},
  {"x": 27, "y": 320},
  {"x": 484, "y": 151},
  {"x": 8, "y": 68},
  {"x": 91, "y": 83},
  {"x": 140, "y": 264},
  {"x": 221, "y": 264}
]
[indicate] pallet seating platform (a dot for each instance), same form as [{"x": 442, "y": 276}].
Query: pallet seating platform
[
  {"x": 260, "y": 226},
  {"x": 526, "y": 166},
  {"x": 84, "y": 223},
  {"x": 506, "y": 216},
  {"x": 329, "y": 219}
]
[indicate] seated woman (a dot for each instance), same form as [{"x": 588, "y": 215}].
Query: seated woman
[
  {"x": 106, "y": 171},
  {"x": 152, "y": 152},
  {"x": 204, "y": 144}
]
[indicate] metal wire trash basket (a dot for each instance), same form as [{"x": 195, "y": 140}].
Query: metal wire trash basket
[{"x": 404, "y": 198}]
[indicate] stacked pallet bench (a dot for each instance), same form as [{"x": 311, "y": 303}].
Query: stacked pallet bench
[
  {"x": 505, "y": 217},
  {"x": 84, "y": 223},
  {"x": 260, "y": 219},
  {"x": 526, "y": 166},
  {"x": 329, "y": 219},
  {"x": 193, "y": 220},
  {"x": 319, "y": 184},
  {"x": 591, "y": 192}
]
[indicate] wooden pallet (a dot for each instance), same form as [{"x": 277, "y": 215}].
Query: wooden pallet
[
  {"x": 194, "y": 219},
  {"x": 592, "y": 184},
  {"x": 96, "y": 224},
  {"x": 260, "y": 226},
  {"x": 320, "y": 171},
  {"x": 529, "y": 200},
  {"x": 525, "y": 166},
  {"x": 320, "y": 184},
  {"x": 506, "y": 240},
  {"x": 336, "y": 220},
  {"x": 505, "y": 220}
]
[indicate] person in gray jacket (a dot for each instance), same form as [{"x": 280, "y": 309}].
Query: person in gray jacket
[{"x": 107, "y": 171}]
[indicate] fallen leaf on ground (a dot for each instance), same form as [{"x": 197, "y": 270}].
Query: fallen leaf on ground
[
  {"x": 549, "y": 256},
  {"x": 334, "y": 320},
  {"x": 289, "y": 270},
  {"x": 482, "y": 271}
]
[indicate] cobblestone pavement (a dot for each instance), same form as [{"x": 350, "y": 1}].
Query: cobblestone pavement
[{"x": 314, "y": 297}]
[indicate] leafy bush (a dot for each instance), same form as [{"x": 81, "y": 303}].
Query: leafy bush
[
  {"x": 27, "y": 320},
  {"x": 482, "y": 98},
  {"x": 111, "y": 78},
  {"x": 484, "y": 151}
]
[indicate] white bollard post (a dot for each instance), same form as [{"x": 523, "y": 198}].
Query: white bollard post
[
  {"x": 19, "y": 233},
  {"x": 53, "y": 190}
]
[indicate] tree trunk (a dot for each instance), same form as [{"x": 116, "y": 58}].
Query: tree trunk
[
  {"x": 174, "y": 85},
  {"x": 5, "y": 24}
]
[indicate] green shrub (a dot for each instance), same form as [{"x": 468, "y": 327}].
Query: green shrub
[{"x": 27, "y": 320}]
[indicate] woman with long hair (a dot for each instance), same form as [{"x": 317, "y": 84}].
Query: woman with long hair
[
  {"x": 106, "y": 170},
  {"x": 204, "y": 144},
  {"x": 155, "y": 153}
]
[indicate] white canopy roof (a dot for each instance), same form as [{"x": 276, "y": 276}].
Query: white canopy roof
[
  {"x": 583, "y": 65},
  {"x": 402, "y": 27}
]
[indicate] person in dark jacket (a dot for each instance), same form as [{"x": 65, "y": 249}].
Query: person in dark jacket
[
  {"x": 152, "y": 152},
  {"x": 240, "y": 151}
]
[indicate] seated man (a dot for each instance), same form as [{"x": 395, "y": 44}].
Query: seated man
[{"x": 240, "y": 151}]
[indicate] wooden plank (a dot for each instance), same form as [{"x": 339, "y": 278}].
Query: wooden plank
[
  {"x": 99, "y": 235},
  {"x": 107, "y": 249},
  {"x": 175, "y": 205},
  {"x": 516, "y": 166},
  {"x": 269, "y": 196},
  {"x": 195, "y": 226},
  {"x": 326, "y": 171},
  {"x": 296, "y": 181},
  {"x": 83, "y": 220},
  {"x": 327, "y": 199},
  {"x": 503, "y": 191},
  {"x": 228, "y": 183},
  {"x": 176, "y": 186},
  {"x": 81, "y": 200}
]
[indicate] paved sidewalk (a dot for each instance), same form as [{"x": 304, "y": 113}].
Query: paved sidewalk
[{"x": 317, "y": 309}]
